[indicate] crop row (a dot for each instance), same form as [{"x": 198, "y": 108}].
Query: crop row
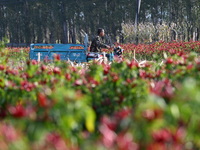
[{"x": 123, "y": 105}]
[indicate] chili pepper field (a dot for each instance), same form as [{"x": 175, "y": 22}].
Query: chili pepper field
[{"x": 147, "y": 100}]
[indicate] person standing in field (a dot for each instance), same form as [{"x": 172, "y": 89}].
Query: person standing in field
[{"x": 97, "y": 43}]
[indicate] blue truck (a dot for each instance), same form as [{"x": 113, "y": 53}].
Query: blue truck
[{"x": 73, "y": 52}]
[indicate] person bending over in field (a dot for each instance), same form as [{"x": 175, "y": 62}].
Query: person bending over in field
[{"x": 97, "y": 42}]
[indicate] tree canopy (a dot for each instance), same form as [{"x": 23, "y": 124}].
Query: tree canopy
[{"x": 63, "y": 21}]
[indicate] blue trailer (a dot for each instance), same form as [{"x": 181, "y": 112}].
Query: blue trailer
[{"x": 72, "y": 52}]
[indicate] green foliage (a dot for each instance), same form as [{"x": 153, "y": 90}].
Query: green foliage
[
  {"x": 147, "y": 105},
  {"x": 3, "y": 43}
]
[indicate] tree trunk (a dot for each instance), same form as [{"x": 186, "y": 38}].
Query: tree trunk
[
  {"x": 65, "y": 32},
  {"x": 74, "y": 32}
]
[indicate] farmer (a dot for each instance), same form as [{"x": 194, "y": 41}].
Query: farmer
[{"x": 97, "y": 42}]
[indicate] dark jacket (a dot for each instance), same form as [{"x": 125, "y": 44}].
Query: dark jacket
[{"x": 97, "y": 44}]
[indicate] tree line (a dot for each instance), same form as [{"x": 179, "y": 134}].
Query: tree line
[{"x": 66, "y": 21}]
